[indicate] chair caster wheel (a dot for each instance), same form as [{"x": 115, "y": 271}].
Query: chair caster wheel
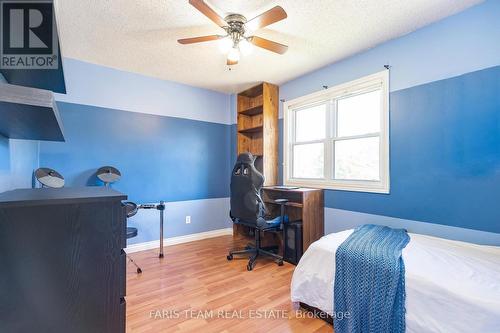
[
  {"x": 139, "y": 271},
  {"x": 249, "y": 267},
  {"x": 230, "y": 257},
  {"x": 280, "y": 263}
]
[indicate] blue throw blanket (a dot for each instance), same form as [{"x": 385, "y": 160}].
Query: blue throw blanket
[{"x": 369, "y": 288}]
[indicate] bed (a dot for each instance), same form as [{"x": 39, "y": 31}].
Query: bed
[{"x": 451, "y": 286}]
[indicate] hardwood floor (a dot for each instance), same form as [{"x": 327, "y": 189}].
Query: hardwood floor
[{"x": 195, "y": 289}]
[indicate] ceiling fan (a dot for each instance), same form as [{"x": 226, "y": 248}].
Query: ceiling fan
[{"x": 236, "y": 26}]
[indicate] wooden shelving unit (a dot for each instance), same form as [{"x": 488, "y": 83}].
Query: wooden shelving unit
[{"x": 258, "y": 128}]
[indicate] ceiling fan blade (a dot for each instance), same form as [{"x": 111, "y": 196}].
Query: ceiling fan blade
[
  {"x": 268, "y": 44},
  {"x": 231, "y": 62},
  {"x": 271, "y": 16},
  {"x": 198, "y": 39},
  {"x": 208, "y": 12}
]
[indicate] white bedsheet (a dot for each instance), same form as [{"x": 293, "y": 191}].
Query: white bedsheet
[{"x": 450, "y": 286}]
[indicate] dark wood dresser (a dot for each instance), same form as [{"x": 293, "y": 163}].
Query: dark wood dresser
[{"x": 62, "y": 260}]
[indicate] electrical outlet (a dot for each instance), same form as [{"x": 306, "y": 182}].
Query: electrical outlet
[{"x": 188, "y": 219}]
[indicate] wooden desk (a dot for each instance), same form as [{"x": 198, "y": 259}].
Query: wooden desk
[{"x": 305, "y": 204}]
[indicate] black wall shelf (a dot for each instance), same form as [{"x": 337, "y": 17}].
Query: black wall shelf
[{"x": 29, "y": 113}]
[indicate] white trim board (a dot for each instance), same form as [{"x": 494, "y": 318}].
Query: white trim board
[{"x": 178, "y": 240}]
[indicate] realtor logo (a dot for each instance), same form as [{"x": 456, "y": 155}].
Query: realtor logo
[{"x": 28, "y": 35}]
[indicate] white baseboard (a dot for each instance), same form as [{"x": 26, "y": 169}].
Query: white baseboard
[{"x": 178, "y": 240}]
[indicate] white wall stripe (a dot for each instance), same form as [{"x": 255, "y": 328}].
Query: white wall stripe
[
  {"x": 454, "y": 46},
  {"x": 338, "y": 220},
  {"x": 206, "y": 215},
  {"x": 178, "y": 240},
  {"x": 91, "y": 84}
]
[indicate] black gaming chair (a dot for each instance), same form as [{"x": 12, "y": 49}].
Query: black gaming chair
[{"x": 248, "y": 209}]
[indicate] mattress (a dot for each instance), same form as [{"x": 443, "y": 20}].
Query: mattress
[{"x": 451, "y": 286}]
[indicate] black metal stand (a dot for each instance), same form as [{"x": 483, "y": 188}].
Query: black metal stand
[{"x": 161, "y": 208}]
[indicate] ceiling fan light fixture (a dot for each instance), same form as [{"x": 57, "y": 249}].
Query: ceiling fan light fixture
[
  {"x": 237, "y": 30},
  {"x": 234, "y": 55}
]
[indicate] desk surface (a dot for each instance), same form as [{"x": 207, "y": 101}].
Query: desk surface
[
  {"x": 41, "y": 196},
  {"x": 300, "y": 189}
]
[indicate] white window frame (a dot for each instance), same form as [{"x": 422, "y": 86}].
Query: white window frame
[{"x": 366, "y": 84}]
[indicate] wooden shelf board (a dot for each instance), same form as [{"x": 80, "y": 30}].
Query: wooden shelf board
[
  {"x": 253, "y": 111},
  {"x": 253, "y": 92},
  {"x": 251, "y": 130}
]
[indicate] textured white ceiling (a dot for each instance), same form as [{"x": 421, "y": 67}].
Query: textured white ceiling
[{"x": 140, "y": 36}]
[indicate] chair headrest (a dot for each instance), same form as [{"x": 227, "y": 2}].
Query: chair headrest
[{"x": 247, "y": 158}]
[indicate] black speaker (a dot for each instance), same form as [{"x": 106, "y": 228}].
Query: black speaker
[{"x": 293, "y": 242}]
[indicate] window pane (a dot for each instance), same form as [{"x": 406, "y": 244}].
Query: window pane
[
  {"x": 359, "y": 114},
  {"x": 357, "y": 159},
  {"x": 310, "y": 123},
  {"x": 308, "y": 161}
]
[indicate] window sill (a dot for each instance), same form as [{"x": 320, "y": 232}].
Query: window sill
[{"x": 352, "y": 187}]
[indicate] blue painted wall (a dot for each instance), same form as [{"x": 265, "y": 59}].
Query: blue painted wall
[
  {"x": 18, "y": 159},
  {"x": 159, "y": 157},
  {"x": 445, "y": 155},
  {"x": 445, "y": 123},
  {"x": 170, "y": 141}
]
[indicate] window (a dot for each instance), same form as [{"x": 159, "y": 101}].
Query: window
[{"x": 338, "y": 138}]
